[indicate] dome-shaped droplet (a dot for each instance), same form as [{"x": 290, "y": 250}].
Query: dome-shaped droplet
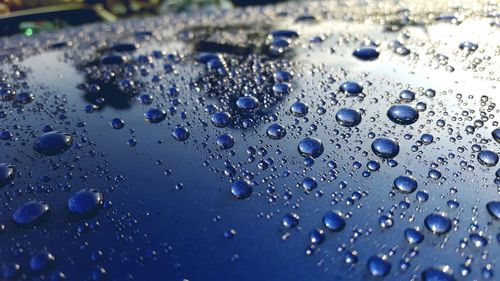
[
  {"x": 402, "y": 114},
  {"x": 405, "y": 184},
  {"x": 309, "y": 183},
  {"x": 117, "y": 123},
  {"x": 299, "y": 109},
  {"x": 225, "y": 141},
  {"x": 334, "y": 221},
  {"x": 366, "y": 53},
  {"x": 413, "y": 235},
  {"x": 487, "y": 158},
  {"x": 406, "y": 96},
  {"x": 348, "y": 117},
  {"x": 276, "y": 131},
  {"x": 7, "y": 173},
  {"x": 31, "y": 212},
  {"x": 241, "y": 189},
  {"x": 351, "y": 88},
  {"x": 85, "y": 202},
  {"x": 53, "y": 143},
  {"x": 438, "y": 273},
  {"x": 311, "y": 147},
  {"x": 385, "y": 147},
  {"x": 221, "y": 119},
  {"x": 155, "y": 115},
  {"x": 493, "y": 208},
  {"x": 496, "y": 135},
  {"x": 290, "y": 220},
  {"x": 282, "y": 76},
  {"x": 41, "y": 261},
  {"x": 437, "y": 223},
  {"x": 180, "y": 134},
  {"x": 378, "y": 266},
  {"x": 247, "y": 103},
  {"x": 478, "y": 240},
  {"x": 317, "y": 236}
]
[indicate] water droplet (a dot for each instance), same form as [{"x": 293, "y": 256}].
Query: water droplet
[
  {"x": 85, "y": 202},
  {"x": 309, "y": 183},
  {"x": 241, "y": 189},
  {"x": 402, "y": 114},
  {"x": 53, "y": 143},
  {"x": 385, "y": 147},
  {"x": 317, "y": 236},
  {"x": 334, "y": 221},
  {"x": 7, "y": 173},
  {"x": 496, "y": 135},
  {"x": 290, "y": 220},
  {"x": 348, "y": 117},
  {"x": 378, "y": 266},
  {"x": 366, "y": 53},
  {"x": 493, "y": 208},
  {"x": 406, "y": 96},
  {"x": 276, "y": 131},
  {"x": 117, "y": 123},
  {"x": 413, "y": 235},
  {"x": 478, "y": 240},
  {"x": 41, "y": 261},
  {"x": 311, "y": 147},
  {"x": 351, "y": 88},
  {"x": 437, "y": 223},
  {"x": 155, "y": 115},
  {"x": 487, "y": 158},
  {"x": 31, "y": 212},
  {"x": 405, "y": 184},
  {"x": 180, "y": 134},
  {"x": 221, "y": 119},
  {"x": 282, "y": 76},
  {"x": 247, "y": 103},
  {"x": 441, "y": 273},
  {"x": 225, "y": 141},
  {"x": 299, "y": 109}
]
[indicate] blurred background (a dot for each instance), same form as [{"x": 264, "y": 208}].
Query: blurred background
[{"x": 32, "y": 16}]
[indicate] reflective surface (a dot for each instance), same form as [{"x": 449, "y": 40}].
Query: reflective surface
[{"x": 178, "y": 144}]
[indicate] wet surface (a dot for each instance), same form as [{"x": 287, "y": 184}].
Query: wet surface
[{"x": 296, "y": 142}]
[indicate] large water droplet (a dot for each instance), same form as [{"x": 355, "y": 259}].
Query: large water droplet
[
  {"x": 437, "y": 223},
  {"x": 41, "y": 261},
  {"x": 402, "y": 114},
  {"x": 385, "y": 147},
  {"x": 180, "y": 133},
  {"x": 351, "y": 88},
  {"x": 405, "y": 184},
  {"x": 299, "y": 109},
  {"x": 348, "y": 117},
  {"x": 53, "y": 143},
  {"x": 290, "y": 220},
  {"x": 241, "y": 189},
  {"x": 487, "y": 158},
  {"x": 311, "y": 147},
  {"x": 155, "y": 115},
  {"x": 247, "y": 103},
  {"x": 378, "y": 266},
  {"x": 85, "y": 202},
  {"x": 493, "y": 208},
  {"x": 276, "y": 131},
  {"x": 366, "y": 53},
  {"x": 413, "y": 235},
  {"x": 7, "y": 173},
  {"x": 221, "y": 119},
  {"x": 31, "y": 212},
  {"x": 435, "y": 273},
  {"x": 334, "y": 221}
]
